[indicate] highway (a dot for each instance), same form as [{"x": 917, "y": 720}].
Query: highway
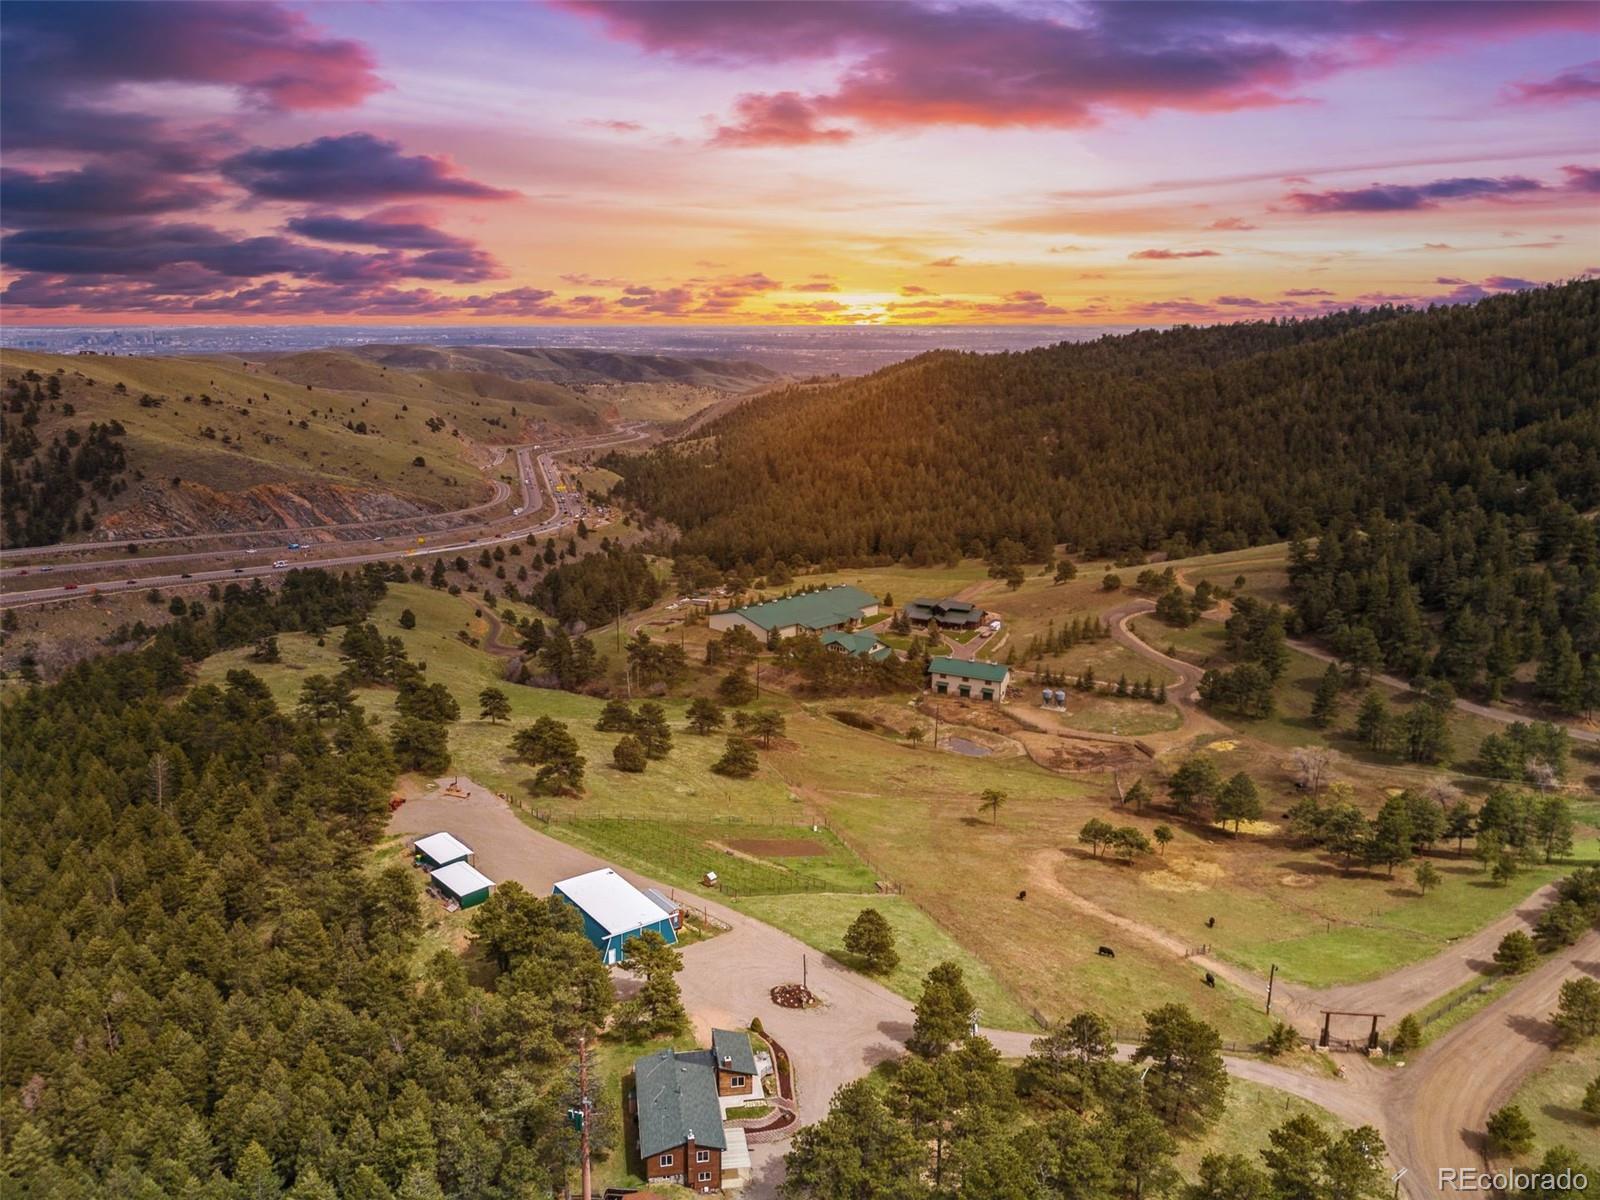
[{"x": 99, "y": 577}]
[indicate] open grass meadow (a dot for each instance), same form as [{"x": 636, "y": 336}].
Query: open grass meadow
[
  {"x": 1253, "y": 1111},
  {"x": 1265, "y": 570},
  {"x": 1011, "y": 893},
  {"x": 1204, "y": 644},
  {"x": 749, "y": 859},
  {"x": 1550, "y": 1099},
  {"x": 821, "y": 921}
]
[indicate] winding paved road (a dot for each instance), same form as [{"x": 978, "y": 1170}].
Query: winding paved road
[{"x": 531, "y": 469}]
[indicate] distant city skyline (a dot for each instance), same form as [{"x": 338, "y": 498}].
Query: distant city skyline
[{"x": 696, "y": 163}]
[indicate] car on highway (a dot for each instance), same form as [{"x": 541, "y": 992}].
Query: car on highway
[
  {"x": 45, "y": 570},
  {"x": 238, "y": 570},
  {"x": 24, "y": 571},
  {"x": 69, "y": 587},
  {"x": 250, "y": 550},
  {"x": 186, "y": 575},
  {"x": 281, "y": 563}
]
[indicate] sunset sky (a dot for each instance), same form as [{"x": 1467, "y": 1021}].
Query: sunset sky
[{"x": 710, "y": 163}]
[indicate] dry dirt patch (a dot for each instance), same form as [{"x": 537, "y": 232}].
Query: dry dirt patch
[{"x": 778, "y": 847}]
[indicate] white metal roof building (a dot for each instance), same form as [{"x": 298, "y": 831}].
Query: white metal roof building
[
  {"x": 463, "y": 882},
  {"x": 440, "y": 850},
  {"x": 613, "y": 911}
]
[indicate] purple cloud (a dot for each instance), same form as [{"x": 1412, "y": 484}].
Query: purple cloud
[
  {"x": 1402, "y": 197},
  {"x": 375, "y": 231},
  {"x": 61, "y": 65},
  {"x": 95, "y": 191},
  {"x": 149, "y": 249},
  {"x": 354, "y": 168}
]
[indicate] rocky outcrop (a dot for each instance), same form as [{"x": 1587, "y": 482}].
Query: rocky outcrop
[{"x": 166, "y": 511}]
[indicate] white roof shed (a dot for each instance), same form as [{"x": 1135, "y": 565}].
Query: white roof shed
[
  {"x": 442, "y": 848},
  {"x": 462, "y": 879}
]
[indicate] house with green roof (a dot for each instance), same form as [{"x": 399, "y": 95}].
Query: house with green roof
[
  {"x": 969, "y": 678},
  {"x": 821, "y": 611},
  {"x": 679, "y": 1100},
  {"x": 857, "y": 645}
]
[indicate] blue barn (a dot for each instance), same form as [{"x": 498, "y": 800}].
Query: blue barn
[{"x": 613, "y": 911}]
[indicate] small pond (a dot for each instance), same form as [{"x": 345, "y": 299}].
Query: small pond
[{"x": 963, "y": 745}]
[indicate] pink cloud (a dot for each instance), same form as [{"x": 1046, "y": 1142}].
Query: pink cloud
[
  {"x": 779, "y": 119},
  {"x": 1582, "y": 179},
  {"x": 1581, "y": 82},
  {"x": 984, "y": 65},
  {"x": 1170, "y": 254},
  {"x": 1231, "y": 224}
]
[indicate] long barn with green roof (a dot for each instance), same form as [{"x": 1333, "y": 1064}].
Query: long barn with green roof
[
  {"x": 820, "y": 611},
  {"x": 970, "y": 679}
]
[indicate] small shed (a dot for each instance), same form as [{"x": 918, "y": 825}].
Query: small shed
[
  {"x": 613, "y": 911},
  {"x": 463, "y": 883},
  {"x": 440, "y": 850}
]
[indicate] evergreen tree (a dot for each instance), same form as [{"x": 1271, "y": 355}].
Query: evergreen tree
[
  {"x": 943, "y": 1013},
  {"x": 871, "y": 938},
  {"x": 628, "y": 755}
]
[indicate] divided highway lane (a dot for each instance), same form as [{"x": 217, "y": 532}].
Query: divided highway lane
[
  {"x": 533, "y": 471},
  {"x": 632, "y": 431}
]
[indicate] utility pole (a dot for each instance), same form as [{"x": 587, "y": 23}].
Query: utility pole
[
  {"x": 1271, "y": 976},
  {"x": 580, "y": 1115}
]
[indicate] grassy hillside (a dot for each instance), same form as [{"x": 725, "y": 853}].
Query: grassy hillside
[
  {"x": 322, "y": 436},
  {"x": 890, "y": 811}
]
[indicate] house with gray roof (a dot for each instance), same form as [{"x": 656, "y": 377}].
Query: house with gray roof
[
  {"x": 828, "y": 608},
  {"x": 947, "y": 613},
  {"x": 679, "y": 1098}
]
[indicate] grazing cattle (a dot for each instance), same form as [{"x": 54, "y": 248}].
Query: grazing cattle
[
  {"x": 1107, "y": 952},
  {"x": 1211, "y": 980},
  {"x": 1023, "y": 894},
  {"x": 1211, "y": 922}
]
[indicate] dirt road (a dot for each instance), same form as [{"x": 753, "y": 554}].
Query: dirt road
[
  {"x": 1183, "y": 693},
  {"x": 1437, "y": 1106},
  {"x": 1488, "y": 712},
  {"x": 1409, "y": 988}
]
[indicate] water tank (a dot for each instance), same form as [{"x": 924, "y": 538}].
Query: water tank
[
  {"x": 1061, "y": 698},
  {"x": 1046, "y": 700}
]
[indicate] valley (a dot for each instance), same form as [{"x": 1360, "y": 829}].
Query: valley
[{"x": 1162, "y": 786}]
